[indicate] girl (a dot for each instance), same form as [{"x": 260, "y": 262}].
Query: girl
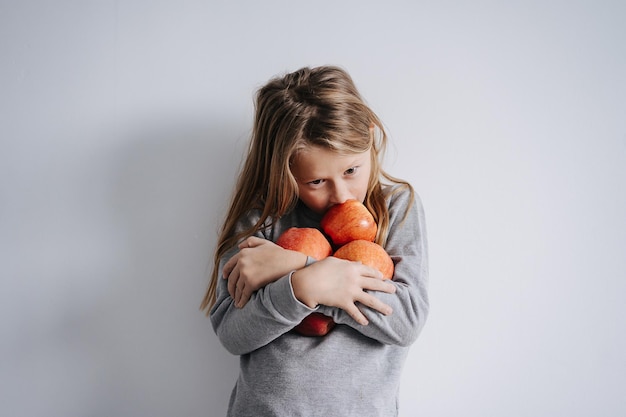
[{"x": 316, "y": 143}]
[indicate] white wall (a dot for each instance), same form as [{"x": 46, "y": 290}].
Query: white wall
[{"x": 122, "y": 125}]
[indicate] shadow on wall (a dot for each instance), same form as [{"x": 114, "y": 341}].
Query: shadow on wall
[{"x": 172, "y": 189}]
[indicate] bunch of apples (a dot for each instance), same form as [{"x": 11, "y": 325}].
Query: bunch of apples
[{"x": 351, "y": 229}]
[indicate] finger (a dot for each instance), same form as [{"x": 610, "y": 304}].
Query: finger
[
  {"x": 238, "y": 293},
  {"x": 229, "y": 265},
  {"x": 356, "y": 314},
  {"x": 245, "y": 297},
  {"x": 375, "y": 304},
  {"x": 233, "y": 277},
  {"x": 254, "y": 241},
  {"x": 251, "y": 242},
  {"x": 368, "y": 271},
  {"x": 374, "y": 284}
]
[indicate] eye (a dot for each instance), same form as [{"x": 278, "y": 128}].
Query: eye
[
  {"x": 315, "y": 183},
  {"x": 351, "y": 171}
]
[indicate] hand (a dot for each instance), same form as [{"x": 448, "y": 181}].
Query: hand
[
  {"x": 340, "y": 283},
  {"x": 258, "y": 262}
]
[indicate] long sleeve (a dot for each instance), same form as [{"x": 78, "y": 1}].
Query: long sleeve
[
  {"x": 407, "y": 246},
  {"x": 271, "y": 311}
]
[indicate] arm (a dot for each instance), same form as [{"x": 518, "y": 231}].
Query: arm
[
  {"x": 277, "y": 307},
  {"x": 331, "y": 282},
  {"x": 258, "y": 262},
  {"x": 339, "y": 283},
  {"x": 407, "y": 246},
  {"x": 271, "y": 311}
]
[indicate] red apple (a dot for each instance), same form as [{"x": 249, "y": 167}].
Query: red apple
[
  {"x": 368, "y": 253},
  {"x": 312, "y": 243},
  {"x": 306, "y": 240},
  {"x": 349, "y": 221},
  {"x": 315, "y": 324}
]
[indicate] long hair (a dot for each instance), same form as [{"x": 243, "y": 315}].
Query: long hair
[{"x": 312, "y": 106}]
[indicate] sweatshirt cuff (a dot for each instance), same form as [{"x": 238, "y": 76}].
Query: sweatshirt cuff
[
  {"x": 285, "y": 301},
  {"x": 309, "y": 260}
]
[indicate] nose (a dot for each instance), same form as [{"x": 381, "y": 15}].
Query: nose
[{"x": 340, "y": 193}]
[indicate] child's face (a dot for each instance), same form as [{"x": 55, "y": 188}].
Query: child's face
[{"x": 326, "y": 178}]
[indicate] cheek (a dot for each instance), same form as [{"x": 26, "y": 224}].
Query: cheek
[
  {"x": 316, "y": 201},
  {"x": 309, "y": 198},
  {"x": 361, "y": 188}
]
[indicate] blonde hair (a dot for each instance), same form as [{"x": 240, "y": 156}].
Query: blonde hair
[{"x": 312, "y": 106}]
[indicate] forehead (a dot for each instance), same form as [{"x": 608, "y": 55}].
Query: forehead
[{"x": 315, "y": 162}]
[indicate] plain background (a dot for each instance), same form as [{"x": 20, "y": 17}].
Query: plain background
[{"x": 122, "y": 128}]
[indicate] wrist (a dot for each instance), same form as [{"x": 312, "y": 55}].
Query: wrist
[
  {"x": 297, "y": 260},
  {"x": 301, "y": 289}
]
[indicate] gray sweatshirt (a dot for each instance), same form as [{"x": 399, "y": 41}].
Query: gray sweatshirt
[{"x": 352, "y": 371}]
